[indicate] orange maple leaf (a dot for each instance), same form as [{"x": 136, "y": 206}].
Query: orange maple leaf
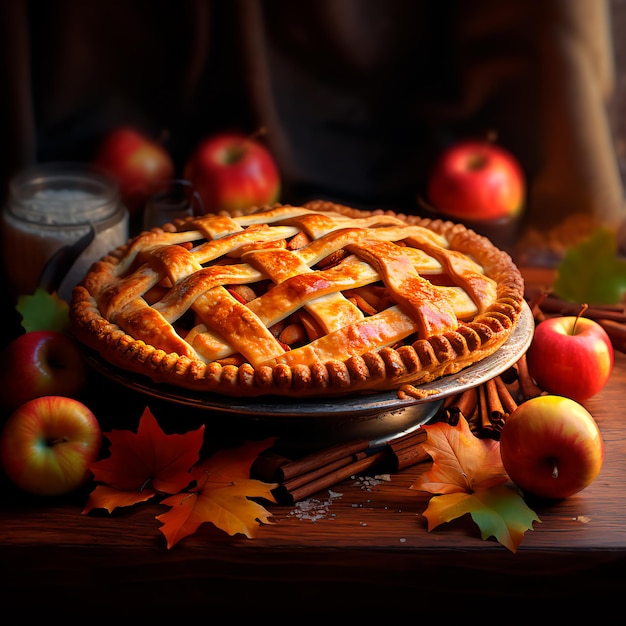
[
  {"x": 467, "y": 476},
  {"x": 461, "y": 461},
  {"x": 222, "y": 495},
  {"x": 143, "y": 465}
]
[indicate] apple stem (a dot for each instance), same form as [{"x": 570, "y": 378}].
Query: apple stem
[
  {"x": 583, "y": 308},
  {"x": 555, "y": 469}
]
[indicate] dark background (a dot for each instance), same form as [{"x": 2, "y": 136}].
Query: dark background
[{"x": 356, "y": 97}]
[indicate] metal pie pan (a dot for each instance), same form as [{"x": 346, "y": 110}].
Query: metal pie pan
[{"x": 372, "y": 417}]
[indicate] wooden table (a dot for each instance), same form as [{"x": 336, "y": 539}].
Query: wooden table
[{"x": 359, "y": 547}]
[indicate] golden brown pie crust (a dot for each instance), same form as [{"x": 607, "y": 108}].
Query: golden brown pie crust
[{"x": 299, "y": 301}]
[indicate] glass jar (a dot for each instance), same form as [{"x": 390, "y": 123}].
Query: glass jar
[{"x": 58, "y": 220}]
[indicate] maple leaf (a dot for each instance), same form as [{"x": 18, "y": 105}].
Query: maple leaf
[
  {"x": 143, "y": 465},
  {"x": 461, "y": 461},
  {"x": 591, "y": 271},
  {"x": 498, "y": 511},
  {"x": 467, "y": 476},
  {"x": 43, "y": 311},
  {"x": 222, "y": 496}
]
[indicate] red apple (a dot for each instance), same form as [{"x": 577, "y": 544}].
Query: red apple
[
  {"x": 233, "y": 173},
  {"x": 136, "y": 161},
  {"x": 40, "y": 363},
  {"x": 551, "y": 447},
  {"x": 476, "y": 180},
  {"x": 48, "y": 445},
  {"x": 570, "y": 356}
]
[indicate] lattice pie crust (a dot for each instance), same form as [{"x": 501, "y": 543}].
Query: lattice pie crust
[{"x": 299, "y": 301}]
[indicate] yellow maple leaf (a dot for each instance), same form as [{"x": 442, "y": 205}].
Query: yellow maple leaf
[
  {"x": 467, "y": 477},
  {"x": 222, "y": 496}
]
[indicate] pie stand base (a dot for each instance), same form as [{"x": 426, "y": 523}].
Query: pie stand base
[{"x": 312, "y": 424}]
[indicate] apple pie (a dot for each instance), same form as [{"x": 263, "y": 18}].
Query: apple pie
[{"x": 299, "y": 301}]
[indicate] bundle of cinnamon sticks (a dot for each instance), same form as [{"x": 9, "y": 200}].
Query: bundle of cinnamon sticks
[
  {"x": 298, "y": 479},
  {"x": 485, "y": 408}
]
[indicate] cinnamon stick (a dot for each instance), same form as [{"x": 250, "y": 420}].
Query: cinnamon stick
[
  {"x": 307, "y": 477},
  {"x": 266, "y": 466},
  {"x": 615, "y": 313},
  {"x": 474, "y": 418},
  {"x": 408, "y": 450},
  {"x": 494, "y": 404},
  {"x": 468, "y": 401},
  {"x": 464, "y": 403},
  {"x": 616, "y": 333},
  {"x": 485, "y": 419},
  {"x": 320, "y": 459},
  {"x": 330, "y": 479},
  {"x": 508, "y": 401},
  {"x": 401, "y": 452},
  {"x": 449, "y": 412},
  {"x": 535, "y": 304},
  {"x": 527, "y": 384},
  {"x": 406, "y": 457},
  {"x": 451, "y": 401}
]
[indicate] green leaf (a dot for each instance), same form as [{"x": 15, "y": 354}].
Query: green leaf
[
  {"x": 43, "y": 311},
  {"x": 498, "y": 511},
  {"x": 591, "y": 272}
]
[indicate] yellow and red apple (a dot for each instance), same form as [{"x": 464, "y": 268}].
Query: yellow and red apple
[
  {"x": 136, "y": 161},
  {"x": 551, "y": 447},
  {"x": 40, "y": 363},
  {"x": 233, "y": 172},
  {"x": 570, "y": 356},
  {"x": 48, "y": 445},
  {"x": 476, "y": 180}
]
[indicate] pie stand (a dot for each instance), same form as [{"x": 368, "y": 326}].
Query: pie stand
[{"x": 302, "y": 425}]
